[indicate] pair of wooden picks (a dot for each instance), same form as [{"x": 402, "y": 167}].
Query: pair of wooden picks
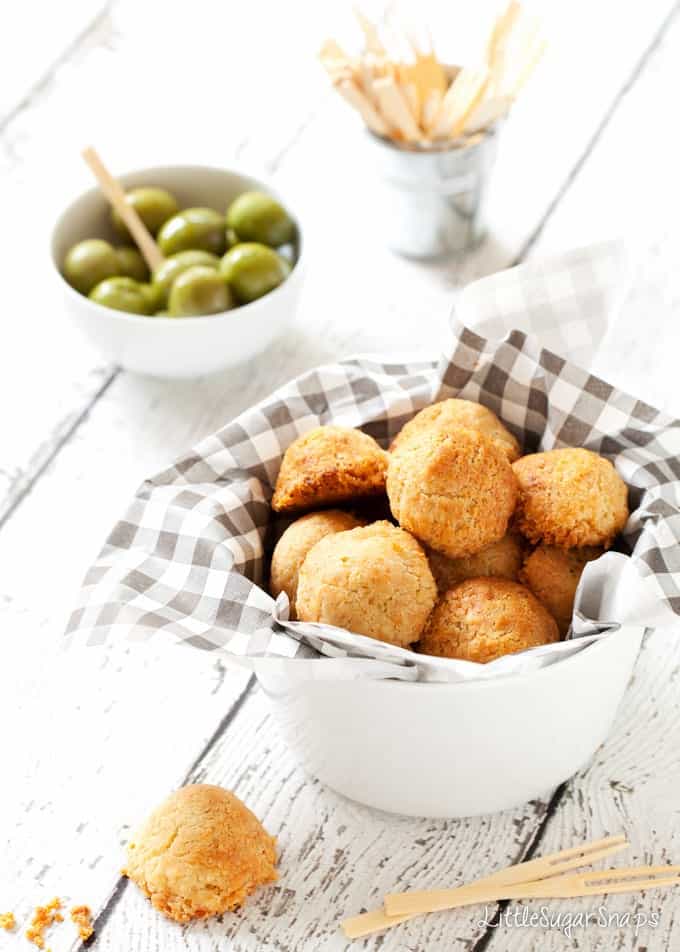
[
  {"x": 535, "y": 879},
  {"x": 418, "y": 100}
]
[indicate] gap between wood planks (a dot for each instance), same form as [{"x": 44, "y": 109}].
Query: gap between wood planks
[
  {"x": 597, "y": 135},
  {"x": 31, "y": 479},
  {"x": 73, "y": 47},
  {"x": 107, "y": 909}
]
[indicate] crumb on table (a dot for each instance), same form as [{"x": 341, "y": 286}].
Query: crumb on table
[
  {"x": 82, "y": 916},
  {"x": 7, "y": 921},
  {"x": 43, "y": 918}
]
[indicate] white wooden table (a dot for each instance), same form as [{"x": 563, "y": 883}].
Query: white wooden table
[{"x": 92, "y": 740}]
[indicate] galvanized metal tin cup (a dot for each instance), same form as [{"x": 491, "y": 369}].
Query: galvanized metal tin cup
[{"x": 432, "y": 203}]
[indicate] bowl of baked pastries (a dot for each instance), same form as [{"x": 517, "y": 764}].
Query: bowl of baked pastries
[{"x": 453, "y": 544}]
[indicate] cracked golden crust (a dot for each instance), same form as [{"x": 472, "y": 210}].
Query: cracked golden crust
[
  {"x": 292, "y": 548},
  {"x": 502, "y": 559},
  {"x": 373, "y": 581},
  {"x": 553, "y": 575},
  {"x": 200, "y": 853},
  {"x": 485, "y": 618},
  {"x": 454, "y": 493},
  {"x": 444, "y": 417},
  {"x": 570, "y": 497},
  {"x": 327, "y": 465}
]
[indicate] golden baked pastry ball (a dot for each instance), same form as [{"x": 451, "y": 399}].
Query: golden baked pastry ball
[
  {"x": 200, "y": 853},
  {"x": 293, "y": 546},
  {"x": 455, "y": 493},
  {"x": 570, "y": 497},
  {"x": 484, "y": 618},
  {"x": 502, "y": 559},
  {"x": 329, "y": 464},
  {"x": 374, "y": 581},
  {"x": 444, "y": 416},
  {"x": 553, "y": 575}
]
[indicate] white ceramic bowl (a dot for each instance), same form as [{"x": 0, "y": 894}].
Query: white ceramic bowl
[
  {"x": 167, "y": 347},
  {"x": 454, "y": 750}
]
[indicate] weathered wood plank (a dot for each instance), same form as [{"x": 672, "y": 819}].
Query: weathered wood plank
[
  {"x": 89, "y": 730},
  {"x": 359, "y": 296},
  {"x": 29, "y": 56},
  {"x": 628, "y": 189},
  {"x": 45, "y": 366},
  {"x": 631, "y": 787},
  {"x": 336, "y": 857},
  {"x": 632, "y": 783}
]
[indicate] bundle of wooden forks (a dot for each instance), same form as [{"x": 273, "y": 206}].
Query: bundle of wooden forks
[
  {"x": 535, "y": 879},
  {"x": 417, "y": 101}
]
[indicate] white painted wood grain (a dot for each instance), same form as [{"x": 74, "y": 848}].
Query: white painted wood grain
[
  {"x": 335, "y": 858},
  {"x": 631, "y": 786},
  {"x": 629, "y": 188},
  {"x": 86, "y": 732},
  {"x": 34, "y": 36}
]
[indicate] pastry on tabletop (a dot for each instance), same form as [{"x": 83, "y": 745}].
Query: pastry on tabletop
[{"x": 200, "y": 853}]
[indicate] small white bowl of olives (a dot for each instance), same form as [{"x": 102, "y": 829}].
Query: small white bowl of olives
[{"x": 227, "y": 288}]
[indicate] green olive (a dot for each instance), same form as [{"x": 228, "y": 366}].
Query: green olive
[
  {"x": 131, "y": 264},
  {"x": 193, "y": 228},
  {"x": 232, "y": 238},
  {"x": 199, "y": 290},
  {"x": 156, "y": 299},
  {"x": 122, "y": 294},
  {"x": 153, "y": 205},
  {"x": 172, "y": 267},
  {"x": 162, "y": 314},
  {"x": 252, "y": 270},
  {"x": 256, "y": 216},
  {"x": 88, "y": 263}
]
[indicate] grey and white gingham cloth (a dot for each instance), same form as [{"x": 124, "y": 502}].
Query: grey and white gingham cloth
[{"x": 187, "y": 561}]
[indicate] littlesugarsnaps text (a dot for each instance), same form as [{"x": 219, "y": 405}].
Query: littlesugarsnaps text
[{"x": 568, "y": 922}]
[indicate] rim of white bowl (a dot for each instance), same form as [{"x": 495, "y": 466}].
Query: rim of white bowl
[{"x": 295, "y": 273}]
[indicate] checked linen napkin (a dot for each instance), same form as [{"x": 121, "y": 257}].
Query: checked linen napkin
[{"x": 187, "y": 561}]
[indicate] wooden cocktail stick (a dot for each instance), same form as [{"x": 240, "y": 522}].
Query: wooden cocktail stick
[
  {"x": 461, "y": 98},
  {"x": 349, "y": 90},
  {"x": 394, "y": 106},
  {"x": 370, "y": 31},
  {"x": 116, "y": 196},
  {"x": 532, "y": 871}
]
